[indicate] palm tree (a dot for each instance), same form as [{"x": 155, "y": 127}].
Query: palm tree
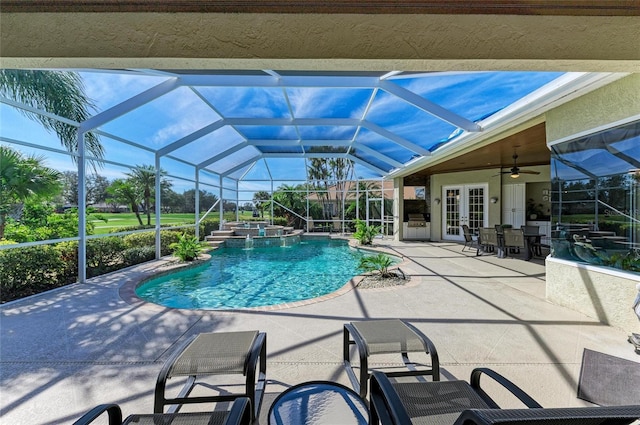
[
  {"x": 58, "y": 92},
  {"x": 261, "y": 201},
  {"x": 330, "y": 174},
  {"x": 23, "y": 178},
  {"x": 293, "y": 198},
  {"x": 143, "y": 177},
  {"x": 123, "y": 192}
]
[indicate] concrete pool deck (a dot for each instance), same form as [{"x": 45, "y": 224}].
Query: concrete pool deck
[{"x": 67, "y": 350}]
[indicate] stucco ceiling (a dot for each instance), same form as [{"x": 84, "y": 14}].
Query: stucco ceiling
[
  {"x": 517, "y": 7},
  {"x": 566, "y": 35}
]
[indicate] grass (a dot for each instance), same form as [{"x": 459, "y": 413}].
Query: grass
[{"x": 118, "y": 220}]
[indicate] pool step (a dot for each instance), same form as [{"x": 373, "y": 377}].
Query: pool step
[
  {"x": 215, "y": 244},
  {"x": 216, "y": 238},
  {"x": 219, "y": 235}
]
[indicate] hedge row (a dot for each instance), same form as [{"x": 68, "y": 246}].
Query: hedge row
[
  {"x": 31, "y": 270},
  {"x": 35, "y": 269}
]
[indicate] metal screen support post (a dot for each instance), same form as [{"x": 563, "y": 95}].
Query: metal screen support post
[
  {"x": 197, "y": 202},
  {"x": 82, "y": 210},
  {"x": 157, "y": 208},
  {"x": 237, "y": 200},
  {"x": 221, "y": 204}
]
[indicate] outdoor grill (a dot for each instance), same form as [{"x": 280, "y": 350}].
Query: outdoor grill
[{"x": 416, "y": 220}]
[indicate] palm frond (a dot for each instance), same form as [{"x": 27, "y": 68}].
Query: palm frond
[{"x": 57, "y": 92}]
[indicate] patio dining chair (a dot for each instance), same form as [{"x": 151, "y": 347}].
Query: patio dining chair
[
  {"x": 536, "y": 242},
  {"x": 469, "y": 239},
  {"x": 513, "y": 240},
  {"x": 488, "y": 239},
  {"x": 387, "y": 337},
  {"x": 462, "y": 403},
  {"x": 238, "y": 414},
  {"x": 215, "y": 354}
]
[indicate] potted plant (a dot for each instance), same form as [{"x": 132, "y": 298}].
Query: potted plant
[{"x": 534, "y": 210}]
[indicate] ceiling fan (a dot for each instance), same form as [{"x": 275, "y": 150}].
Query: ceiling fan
[{"x": 516, "y": 171}]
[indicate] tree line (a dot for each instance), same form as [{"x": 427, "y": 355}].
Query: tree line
[{"x": 31, "y": 193}]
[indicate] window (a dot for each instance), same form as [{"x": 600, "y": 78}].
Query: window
[{"x": 595, "y": 198}]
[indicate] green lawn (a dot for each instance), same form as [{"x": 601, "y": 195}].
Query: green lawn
[{"x": 118, "y": 220}]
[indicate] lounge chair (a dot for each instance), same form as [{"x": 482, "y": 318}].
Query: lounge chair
[
  {"x": 336, "y": 224},
  {"x": 312, "y": 227},
  {"x": 388, "y": 336},
  {"x": 219, "y": 353},
  {"x": 462, "y": 403},
  {"x": 239, "y": 414}
]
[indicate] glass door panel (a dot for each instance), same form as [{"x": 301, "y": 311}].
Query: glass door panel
[
  {"x": 476, "y": 206},
  {"x": 464, "y": 204},
  {"x": 451, "y": 210}
]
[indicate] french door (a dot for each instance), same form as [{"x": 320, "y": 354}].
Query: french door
[{"x": 463, "y": 204}]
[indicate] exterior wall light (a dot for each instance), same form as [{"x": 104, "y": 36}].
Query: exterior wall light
[{"x": 494, "y": 199}]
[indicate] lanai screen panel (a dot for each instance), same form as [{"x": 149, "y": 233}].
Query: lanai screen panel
[
  {"x": 475, "y": 95},
  {"x": 107, "y": 89},
  {"x": 164, "y": 120},
  {"x": 225, "y": 121}
]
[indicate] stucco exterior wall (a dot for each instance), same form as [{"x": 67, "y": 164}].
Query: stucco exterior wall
[
  {"x": 470, "y": 177},
  {"x": 609, "y": 104},
  {"x": 604, "y": 294},
  {"x": 489, "y": 176}
]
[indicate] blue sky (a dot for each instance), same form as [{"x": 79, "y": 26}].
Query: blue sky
[{"x": 185, "y": 110}]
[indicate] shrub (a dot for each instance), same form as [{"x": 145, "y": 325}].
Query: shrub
[
  {"x": 187, "y": 248},
  {"x": 208, "y": 225},
  {"x": 129, "y": 228},
  {"x": 379, "y": 263},
  {"x": 138, "y": 255},
  {"x": 104, "y": 255},
  {"x": 280, "y": 221},
  {"x": 365, "y": 234},
  {"x": 167, "y": 237},
  {"x": 18, "y": 232},
  {"x": 68, "y": 252},
  {"x": 28, "y": 271}
]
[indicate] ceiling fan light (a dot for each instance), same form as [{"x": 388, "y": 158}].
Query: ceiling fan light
[{"x": 515, "y": 175}]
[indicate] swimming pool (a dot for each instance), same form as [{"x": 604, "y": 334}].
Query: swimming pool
[{"x": 241, "y": 278}]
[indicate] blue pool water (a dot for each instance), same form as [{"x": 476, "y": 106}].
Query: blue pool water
[{"x": 238, "y": 278}]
